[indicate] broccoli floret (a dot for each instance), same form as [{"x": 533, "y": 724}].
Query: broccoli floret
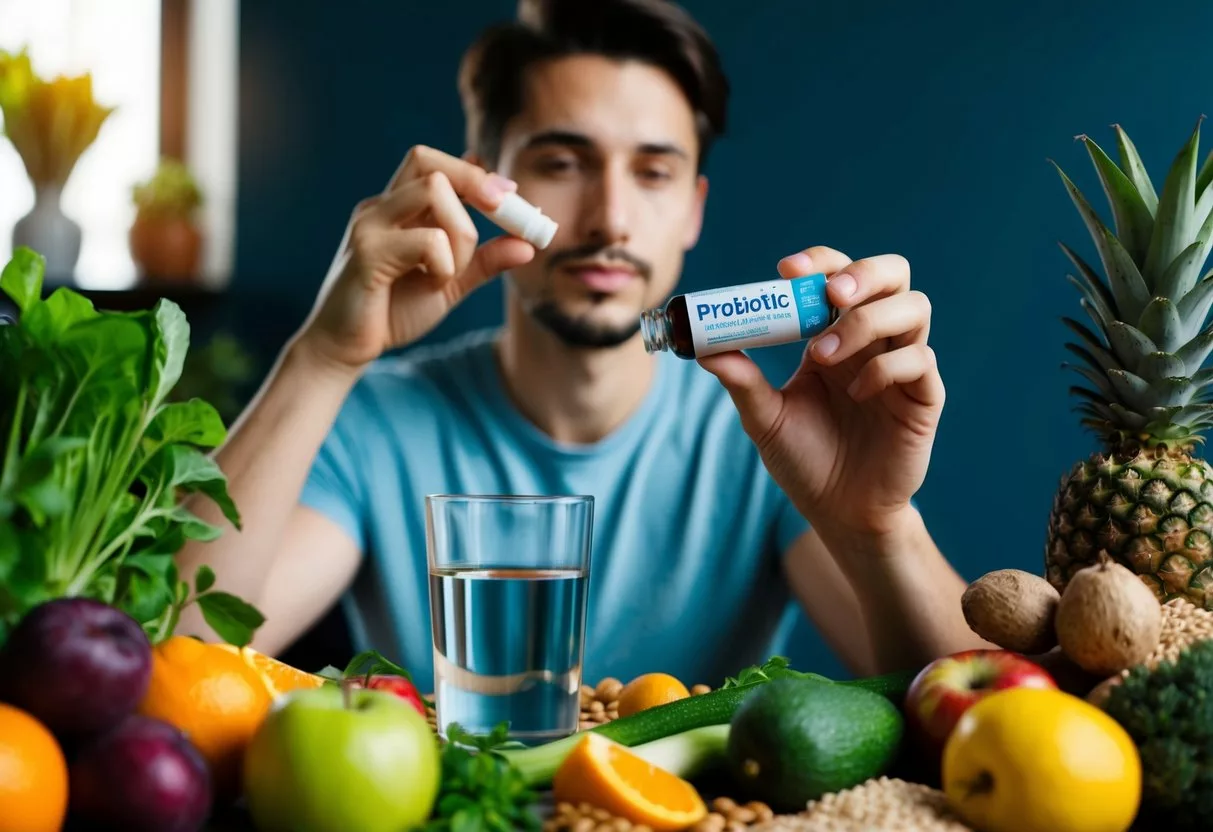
[{"x": 1168, "y": 712}]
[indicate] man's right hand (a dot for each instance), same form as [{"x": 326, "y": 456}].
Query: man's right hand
[{"x": 408, "y": 257}]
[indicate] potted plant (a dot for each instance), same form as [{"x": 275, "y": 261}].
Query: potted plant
[{"x": 165, "y": 239}]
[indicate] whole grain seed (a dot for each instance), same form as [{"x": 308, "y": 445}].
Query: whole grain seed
[{"x": 883, "y": 803}]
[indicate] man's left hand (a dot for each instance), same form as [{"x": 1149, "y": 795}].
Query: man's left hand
[{"x": 849, "y": 436}]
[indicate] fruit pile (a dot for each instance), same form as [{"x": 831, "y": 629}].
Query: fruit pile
[{"x": 101, "y": 729}]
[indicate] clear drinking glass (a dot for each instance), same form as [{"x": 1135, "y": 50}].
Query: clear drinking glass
[{"x": 509, "y": 578}]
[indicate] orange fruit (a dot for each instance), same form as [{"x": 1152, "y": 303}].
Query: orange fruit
[
  {"x": 33, "y": 775},
  {"x": 649, "y": 691},
  {"x": 605, "y": 774},
  {"x": 279, "y": 677},
  {"x": 214, "y": 696}
]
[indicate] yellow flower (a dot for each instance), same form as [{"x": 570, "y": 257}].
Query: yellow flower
[{"x": 50, "y": 124}]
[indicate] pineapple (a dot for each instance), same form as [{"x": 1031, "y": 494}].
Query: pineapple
[{"x": 1144, "y": 497}]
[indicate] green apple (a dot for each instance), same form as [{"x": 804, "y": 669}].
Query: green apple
[{"x": 328, "y": 760}]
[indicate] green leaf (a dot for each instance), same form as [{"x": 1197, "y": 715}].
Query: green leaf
[
  {"x": 1097, "y": 379},
  {"x": 194, "y": 422},
  {"x": 1130, "y": 162},
  {"x": 1128, "y": 418},
  {"x": 204, "y": 579},
  {"x": 372, "y": 662},
  {"x": 1194, "y": 353},
  {"x": 1129, "y": 344},
  {"x": 1093, "y": 363},
  {"x": 21, "y": 279},
  {"x": 1125, "y": 280},
  {"x": 171, "y": 334},
  {"x": 192, "y": 526},
  {"x": 143, "y": 595},
  {"x": 1134, "y": 220},
  {"x": 232, "y": 619},
  {"x": 59, "y": 313},
  {"x": 1174, "y": 226},
  {"x": 182, "y": 466},
  {"x": 10, "y": 550},
  {"x": 1163, "y": 324},
  {"x": 1090, "y": 285},
  {"x": 1095, "y": 352},
  {"x": 1161, "y": 365},
  {"x": 1194, "y": 308}
]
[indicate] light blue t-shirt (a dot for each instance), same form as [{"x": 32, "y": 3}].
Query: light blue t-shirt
[{"x": 689, "y": 529}]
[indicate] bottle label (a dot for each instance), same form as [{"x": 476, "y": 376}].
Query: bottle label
[{"x": 758, "y": 314}]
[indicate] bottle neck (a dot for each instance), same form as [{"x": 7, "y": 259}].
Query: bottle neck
[{"x": 656, "y": 330}]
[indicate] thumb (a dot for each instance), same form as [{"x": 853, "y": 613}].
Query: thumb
[
  {"x": 755, "y": 399},
  {"x": 491, "y": 259}
]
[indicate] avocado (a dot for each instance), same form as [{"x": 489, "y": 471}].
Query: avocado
[{"x": 793, "y": 740}]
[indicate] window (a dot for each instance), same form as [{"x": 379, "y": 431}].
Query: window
[{"x": 120, "y": 43}]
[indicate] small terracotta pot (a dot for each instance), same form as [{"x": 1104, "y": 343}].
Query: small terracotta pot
[{"x": 166, "y": 248}]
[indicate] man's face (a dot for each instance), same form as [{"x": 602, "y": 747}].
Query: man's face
[{"x": 608, "y": 150}]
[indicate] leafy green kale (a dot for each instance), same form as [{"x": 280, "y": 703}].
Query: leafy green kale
[
  {"x": 1168, "y": 712},
  {"x": 95, "y": 461},
  {"x": 481, "y": 790}
]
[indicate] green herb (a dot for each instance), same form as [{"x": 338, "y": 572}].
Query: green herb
[
  {"x": 95, "y": 461},
  {"x": 1168, "y": 713},
  {"x": 481, "y": 791},
  {"x": 776, "y": 667}
]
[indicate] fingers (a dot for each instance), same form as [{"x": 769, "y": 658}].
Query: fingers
[
  {"x": 404, "y": 249},
  {"x": 872, "y": 277},
  {"x": 433, "y": 194},
  {"x": 904, "y": 318},
  {"x": 758, "y": 403},
  {"x": 912, "y": 367},
  {"x": 813, "y": 260},
  {"x": 471, "y": 182},
  {"x": 492, "y": 258},
  {"x": 850, "y": 282}
]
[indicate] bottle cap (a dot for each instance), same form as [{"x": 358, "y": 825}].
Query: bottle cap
[{"x": 522, "y": 219}]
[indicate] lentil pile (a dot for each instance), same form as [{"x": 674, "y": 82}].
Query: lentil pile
[
  {"x": 726, "y": 816},
  {"x": 883, "y": 804}
]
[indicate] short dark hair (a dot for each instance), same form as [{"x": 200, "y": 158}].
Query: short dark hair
[{"x": 656, "y": 32}]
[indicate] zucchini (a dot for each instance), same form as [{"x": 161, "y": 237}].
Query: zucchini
[{"x": 539, "y": 764}]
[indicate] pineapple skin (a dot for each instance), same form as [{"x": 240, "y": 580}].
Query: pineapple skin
[{"x": 1150, "y": 510}]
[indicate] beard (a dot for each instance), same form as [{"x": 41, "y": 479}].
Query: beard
[{"x": 579, "y": 332}]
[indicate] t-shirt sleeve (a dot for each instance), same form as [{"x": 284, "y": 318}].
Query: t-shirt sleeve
[{"x": 333, "y": 486}]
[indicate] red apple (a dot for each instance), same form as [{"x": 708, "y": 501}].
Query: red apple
[
  {"x": 949, "y": 686},
  {"x": 397, "y": 685}
]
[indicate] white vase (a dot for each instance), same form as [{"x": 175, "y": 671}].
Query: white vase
[{"x": 51, "y": 233}]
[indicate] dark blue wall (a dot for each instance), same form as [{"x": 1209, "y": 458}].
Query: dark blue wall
[{"x": 920, "y": 128}]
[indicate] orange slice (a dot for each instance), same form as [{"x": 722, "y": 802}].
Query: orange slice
[
  {"x": 605, "y": 774},
  {"x": 279, "y": 677}
]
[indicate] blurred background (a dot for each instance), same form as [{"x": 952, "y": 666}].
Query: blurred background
[{"x": 242, "y": 133}]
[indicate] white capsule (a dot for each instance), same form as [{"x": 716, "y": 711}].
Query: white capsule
[{"x": 522, "y": 219}]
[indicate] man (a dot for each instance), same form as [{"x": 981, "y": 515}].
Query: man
[{"x": 719, "y": 499}]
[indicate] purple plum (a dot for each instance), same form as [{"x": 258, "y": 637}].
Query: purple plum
[
  {"x": 78, "y": 665},
  {"x": 142, "y": 775}
]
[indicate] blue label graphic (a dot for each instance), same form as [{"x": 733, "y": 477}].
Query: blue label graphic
[{"x": 812, "y": 308}]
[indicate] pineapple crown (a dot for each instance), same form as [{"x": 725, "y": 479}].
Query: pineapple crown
[{"x": 1143, "y": 355}]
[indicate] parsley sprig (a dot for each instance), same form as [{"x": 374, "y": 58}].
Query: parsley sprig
[
  {"x": 776, "y": 667},
  {"x": 481, "y": 791}
]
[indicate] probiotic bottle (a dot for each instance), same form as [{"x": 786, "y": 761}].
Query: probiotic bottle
[{"x": 739, "y": 317}]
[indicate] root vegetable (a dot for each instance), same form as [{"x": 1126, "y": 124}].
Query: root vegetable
[
  {"x": 1108, "y": 620},
  {"x": 1013, "y": 609}
]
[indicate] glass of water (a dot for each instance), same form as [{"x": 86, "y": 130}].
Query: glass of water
[{"x": 509, "y": 578}]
